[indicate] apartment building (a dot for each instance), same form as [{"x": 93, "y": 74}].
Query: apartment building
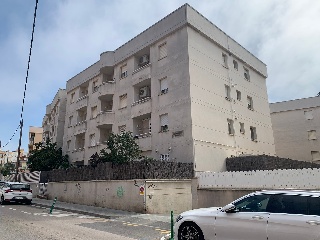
[
  {"x": 296, "y": 128},
  {"x": 35, "y": 136},
  {"x": 186, "y": 90},
  {"x": 54, "y": 120}
]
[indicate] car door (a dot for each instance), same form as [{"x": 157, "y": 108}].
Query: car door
[
  {"x": 295, "y": 218},
  {"x": 247, "y": 222}
]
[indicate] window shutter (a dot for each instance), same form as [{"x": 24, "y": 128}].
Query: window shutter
[
  {"x": 163, "y": 51},
  {"x": 163, "y": 84},
  {"x": 123, "y": 101},
  {"x": 164, "y": 120},
  {"x": 92, "y": 140}
]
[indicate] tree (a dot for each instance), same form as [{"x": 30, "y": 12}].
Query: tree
[
  {"x": 120, "y": 148},
  {"x": 46, "y": 157},
  {"x": 7, "y": 169}
]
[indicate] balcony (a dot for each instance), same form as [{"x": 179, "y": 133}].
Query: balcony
[
  {"x": 46, "y": 128},
  {"x": 48, "y": 110},
  {"x": 80, "y": 127},
  {"x": 78, "y": 155},
  {"x": 141, "y": 74},
  {"x": 106, "y": 88},
  {"x": 82, "y": 102},
  {"x": 105, "y": 118},
  {"x": 144, "y": 141},
  {"x": 141, "y": 107}
]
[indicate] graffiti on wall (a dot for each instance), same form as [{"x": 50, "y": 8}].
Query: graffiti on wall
[{"x": 120, "y": 192}]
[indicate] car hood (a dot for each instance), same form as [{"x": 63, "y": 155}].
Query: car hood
[{"x": 201, "y": 211}]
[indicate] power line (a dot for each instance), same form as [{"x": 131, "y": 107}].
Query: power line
[
  {"x": 11, "y": 137},
  {"x": 25, "y": 89}
]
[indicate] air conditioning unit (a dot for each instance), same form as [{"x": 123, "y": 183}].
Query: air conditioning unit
[
  {"x": 164, "y": 91},
  {"x": 143, "y": 60},
  {"x": 144, "y": 92}
]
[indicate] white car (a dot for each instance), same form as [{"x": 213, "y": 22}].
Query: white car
[
  {"x": 15, "y": 192},
  {"x": 263, "y": 215}
]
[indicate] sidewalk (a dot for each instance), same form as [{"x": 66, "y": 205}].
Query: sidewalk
[{"x": 98, "y": 211}]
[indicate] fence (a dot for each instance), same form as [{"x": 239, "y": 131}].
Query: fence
[{"x": 269, "y": 179}]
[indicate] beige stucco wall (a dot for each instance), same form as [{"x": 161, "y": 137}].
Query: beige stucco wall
[
  {"x": 210, "y": 110},
  {"x": 158, "y": 196},
  {"x": 290, "y": 127}
]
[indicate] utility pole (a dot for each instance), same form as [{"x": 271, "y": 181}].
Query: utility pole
[{"x": 18, "y": 157}]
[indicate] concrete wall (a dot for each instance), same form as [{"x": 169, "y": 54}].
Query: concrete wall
[{"x": 155, "y": 197}]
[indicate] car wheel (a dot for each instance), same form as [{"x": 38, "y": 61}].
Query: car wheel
[
  {"x": 2, "y": 202},
  {"x": 190, "y": 231}
]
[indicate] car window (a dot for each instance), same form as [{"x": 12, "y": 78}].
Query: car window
[
  {"x": 256, "y": 203},
  {"x": 314, "y": 205},
  {"x": 20, "y": 187},
  {"x": 291, "y": 204}
]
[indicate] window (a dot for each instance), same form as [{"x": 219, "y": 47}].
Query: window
[
  {"x": 290, "y": 204},
  {"x": 162, "y": 51},
  {"x": 308, "y": 114},
  {"x": 164, "y": 122},
  {"x": 123, "y": 101},
  {"x": 164, "y": 157},
  {"x": 70, "y": 121},
  {"x": 230, "y": 127},
  {"x": 253, "y": 134},
  {"x": 95, "y": 86},
  {"x": 246, "y": 74},
  {"x": 250, "y": 102},
  {"x": 225, "y": 59},
  {"x": 72, "y": 97},
  {"x": 314, "y": 205},
  {"x": 315, "y": 155},
  {"x": 256, "y": 203},
  {"x": 123, "y": 71},
  {"x": 227, "y": 89},
  {"x": 238, "y": 95},
  {"x": 242, "y": 128},
  {"x": 94, "y": 112},
  {"x": 122, "y": 128},
  {"x": 68, "y": 144},
  {"x": 235, "y": 65},
  {"x": 164, "y": 85},
  {"x": 312, "y": 135},
  {"x": 92, "y": 138}
]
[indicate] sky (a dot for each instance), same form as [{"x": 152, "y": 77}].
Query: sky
[{"x": 70, "y": 35}]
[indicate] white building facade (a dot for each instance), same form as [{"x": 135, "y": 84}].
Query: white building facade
[
  {"x": 187, "y": 91},
  {"x": 296, "y": 128}
]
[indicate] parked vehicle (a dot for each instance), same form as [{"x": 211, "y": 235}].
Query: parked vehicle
[
  {"x": 15, "y": 192},
  {"x": 267, "y": 215}
]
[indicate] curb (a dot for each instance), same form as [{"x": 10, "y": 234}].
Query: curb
[{"x": 77, "y": 211}]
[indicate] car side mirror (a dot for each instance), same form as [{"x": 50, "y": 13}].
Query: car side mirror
[{"x": 230, "y": 208}]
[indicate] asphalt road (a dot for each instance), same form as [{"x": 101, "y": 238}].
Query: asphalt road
[{"x": 22, "y": 222}]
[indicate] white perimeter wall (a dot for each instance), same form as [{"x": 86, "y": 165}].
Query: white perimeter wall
[{"x": 275, "y": 179}]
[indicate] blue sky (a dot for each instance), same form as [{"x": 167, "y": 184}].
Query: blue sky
[{"x": 70, "y": 35}]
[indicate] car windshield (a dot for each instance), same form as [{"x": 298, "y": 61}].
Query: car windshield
[{"x": 20, "y": 187}]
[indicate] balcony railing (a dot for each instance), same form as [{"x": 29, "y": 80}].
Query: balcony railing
[
  {"x": 144, "y": 141},
  {"x": 106, "y": 88},
  {"x": 82, "y": 102},
  {"x": 105, "y": 118},
  {"x": 80, "y": 127},
  {"x": 141, "y": 107},
  {"x": 141, "y": 74}
]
